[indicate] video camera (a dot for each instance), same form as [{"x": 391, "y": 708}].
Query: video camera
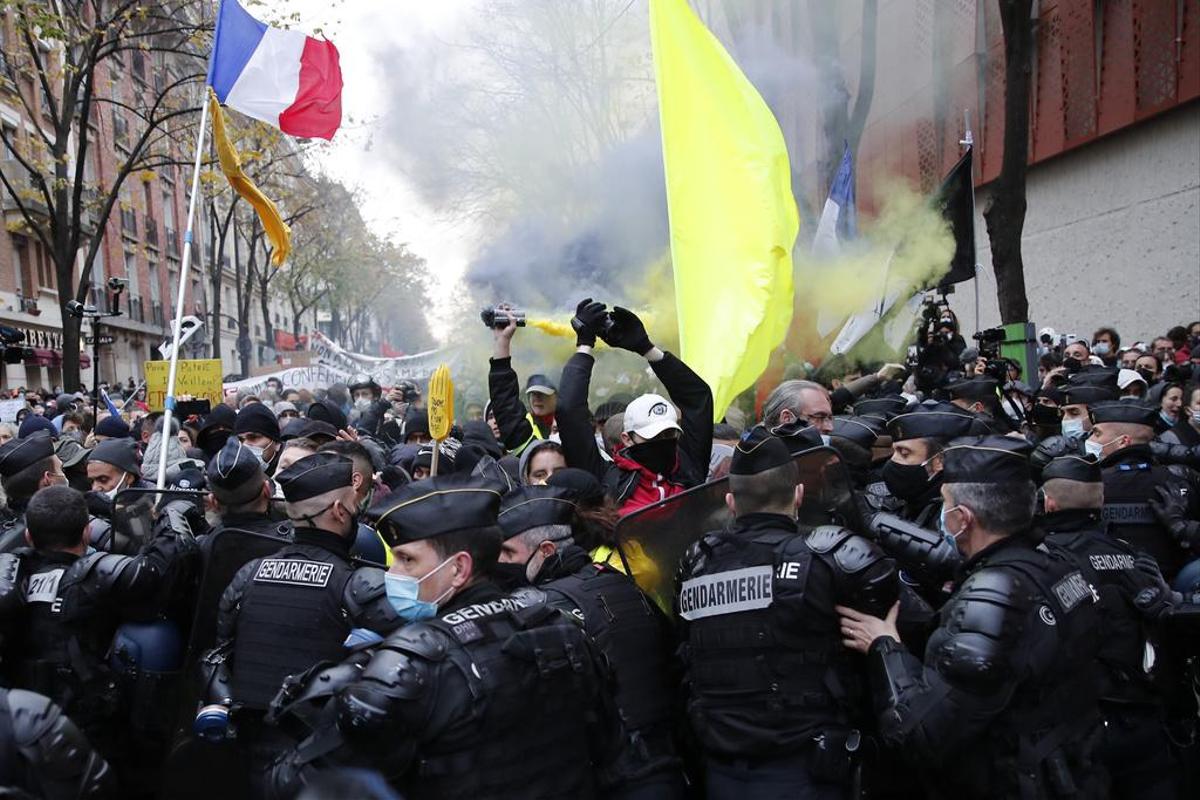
[{"x": 496, "y": 317}]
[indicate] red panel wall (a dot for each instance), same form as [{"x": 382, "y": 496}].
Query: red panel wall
[{"x": 1099, "y": 67}]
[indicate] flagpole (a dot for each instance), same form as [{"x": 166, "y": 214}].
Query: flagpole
[
  {"x": 177, "y": 325},
  {"x": 968, "y": 140}
]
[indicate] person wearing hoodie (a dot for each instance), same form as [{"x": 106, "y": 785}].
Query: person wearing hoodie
[
  {"x": 663, "y": 451},
  {"x": 539, "y": 460}
]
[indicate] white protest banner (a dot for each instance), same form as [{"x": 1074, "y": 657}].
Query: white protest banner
[
  {"x": 9, "y": 409},
  {"x": 385, "y": 371},
  {"x": 317, "y": 376}
]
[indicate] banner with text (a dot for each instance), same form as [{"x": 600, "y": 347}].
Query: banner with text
[
  {"x": 198, "y": 378},
  {"x": 385, "y": 371}
]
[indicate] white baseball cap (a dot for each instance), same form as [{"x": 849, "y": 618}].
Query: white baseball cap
[
  {"x": 1128, "y": 376},
  {"x": 650, "y": 415}
]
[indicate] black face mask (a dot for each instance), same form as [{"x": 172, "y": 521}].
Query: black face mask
[
  {"x": 906, "y": 481},
  {"x": 1046, "y": 416},
  {"x": 1146, "y": 374},
  {"x": 656, "y": 455},
  {"x": 509, "y": 576}
]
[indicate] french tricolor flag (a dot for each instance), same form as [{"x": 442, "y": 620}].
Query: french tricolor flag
[{"x": 282, "y": 77}]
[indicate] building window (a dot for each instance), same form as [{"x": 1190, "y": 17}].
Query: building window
[
  {"x": 20, "y": 263},
  {"x": 131, "y": 274}
]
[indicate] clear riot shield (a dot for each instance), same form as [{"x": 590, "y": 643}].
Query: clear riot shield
[
  {"x": 134, "y": 511},
  {"x": 652, "y": 540}
]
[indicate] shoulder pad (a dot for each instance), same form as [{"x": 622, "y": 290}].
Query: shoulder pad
[
  {"x": 983, "y": 623},
  {"x": 855, "y": 554},
  {"x": 418, "y": 639},
  {"x": 365, "y": 600},
  {"x": 1003, "y": 588},
  {"x": 824, "y": 538},
  {"x": 100, "y": 566},
  {"x": 529, "y": 596}
]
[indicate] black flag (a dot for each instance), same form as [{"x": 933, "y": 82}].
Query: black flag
[{"x": 955, "y": 199}]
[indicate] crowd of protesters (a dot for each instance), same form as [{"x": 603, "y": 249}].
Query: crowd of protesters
[{"x": 329, "y": 602}]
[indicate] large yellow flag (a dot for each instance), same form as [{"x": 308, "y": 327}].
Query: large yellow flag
[
  {"x": 277, "y": 231},
  {"x": 729, "y": 197}
]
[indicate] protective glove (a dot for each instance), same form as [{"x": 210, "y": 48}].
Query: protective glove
[
  {"x": 183, "y": 519},
  {"x": 1053, "y": 447},
  {"x": 627, "y": 332},
  {"x": 589, "y": 320},
  {"x": 1171, "y": 508},
  {"x": 1156, "y": 597}
]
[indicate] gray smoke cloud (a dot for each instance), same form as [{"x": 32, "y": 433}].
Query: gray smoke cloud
[{"x": 538, "y": 124}]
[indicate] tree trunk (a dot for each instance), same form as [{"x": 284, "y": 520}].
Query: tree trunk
[{"x": 1005, "y": 214}]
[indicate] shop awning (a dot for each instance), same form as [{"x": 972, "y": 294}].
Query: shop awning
[{"x": 40, "y": 357}]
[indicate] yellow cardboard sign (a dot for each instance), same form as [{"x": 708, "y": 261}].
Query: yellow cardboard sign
[
  {"x": 441, "y": 403},
  {"x": 198, "y": 378}
]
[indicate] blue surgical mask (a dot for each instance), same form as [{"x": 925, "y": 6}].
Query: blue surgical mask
[
  {"x": 1072, "y": 428},
  {"x": 1095, "y": 449},
  {"x": 1167, "y": 419},
  {"x": 826, "y": 439},
  {"x": 1100, "y": 349},
  {"x": 1196, "y": 417},
  {"x": 403, "y": 592},
  {"x": 951, "y": 537}
]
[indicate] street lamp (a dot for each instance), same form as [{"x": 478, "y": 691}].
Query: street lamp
[{"x": 80, "y": 311}]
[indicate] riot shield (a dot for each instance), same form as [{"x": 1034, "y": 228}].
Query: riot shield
[
  {"x": 223, "y": 554},
  {"x": 133, "y": 515},
  {"x": 652, "y": 540}
]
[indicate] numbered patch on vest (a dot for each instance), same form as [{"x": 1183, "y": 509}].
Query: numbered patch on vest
[
  {"x": 730, "y": 592},
  {"x": 293, "y": 572},
  {"x": 1071, "y": 591},
  {"x": 43, "y": 587}
]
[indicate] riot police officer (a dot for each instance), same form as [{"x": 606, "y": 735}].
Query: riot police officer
[
  {"x": 1120, "y": 439},
  {"x": 1002, "y": 704},
  {"x": 1133, "y": 596},
  {"x": 1075, "y": 422},
  {"x": 482, "y": 695},
  {"x": 74, "y": 599},
  {"x": 241, "y": 491},
  {"x": 627, "y": 626},
  {"x": 44, "y": 754},
  {"x": 26, "y": 465},
  {"x": 774, "y": 699},
  {"x": 284, "y": 613},
  {"x": 914, "y": 472}
]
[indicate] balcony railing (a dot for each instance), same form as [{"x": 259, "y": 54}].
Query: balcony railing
[
  {"x": 151, "y": 226},
  {"x": 156, "y": 314},
  {"x": 21, "y": 179},
  {"x": 136, "y": 312},
  {"x": 172, "y": 242}
]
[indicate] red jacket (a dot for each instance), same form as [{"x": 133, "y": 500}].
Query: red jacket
[{"x": 650, "y": 487}]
